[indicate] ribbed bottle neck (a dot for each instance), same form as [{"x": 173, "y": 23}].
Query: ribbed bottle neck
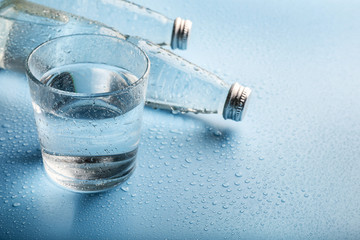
[
  {"x": 236, "y": 102},
  {"x": 181, "y": 33}
]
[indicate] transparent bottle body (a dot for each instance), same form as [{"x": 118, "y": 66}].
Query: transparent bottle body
[
  {"x": 178, "y": 85},
  {"x": 174, "y": 83},
  {"x": 125, "y": 17},
  {"x": 23, "y": 26}
]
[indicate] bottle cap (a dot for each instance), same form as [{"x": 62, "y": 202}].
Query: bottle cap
[
  {"x": 180, "y": 33},
  {"x": 236, "y": 102}
]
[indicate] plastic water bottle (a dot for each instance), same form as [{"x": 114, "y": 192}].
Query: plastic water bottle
[
  {"x": 174, "y": 83},
  {"x": 180, "y": 86},
  {"x": 130, "y": 19},
  {"x": 25, "y": 25}
]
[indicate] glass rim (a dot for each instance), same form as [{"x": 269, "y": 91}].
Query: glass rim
[{"x": 139, "y": 80}]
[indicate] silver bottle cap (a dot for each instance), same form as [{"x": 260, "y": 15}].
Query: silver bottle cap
[
  {"x": 236, "y": 102},
  {"x": 180, "y": 33}
]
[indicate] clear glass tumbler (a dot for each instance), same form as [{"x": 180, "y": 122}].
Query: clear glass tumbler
[{"x": 88, "y": 95}]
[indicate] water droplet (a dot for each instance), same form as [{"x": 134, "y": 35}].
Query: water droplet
[
  {"x": 176, "y": 131},
  {"x": 217, "y": 133},
  {"x": 238, "y": 174},
  {"x": 125, "y": 189},
  {"x": 16, "y": 204},
  {"x": 188, "y": 160}
]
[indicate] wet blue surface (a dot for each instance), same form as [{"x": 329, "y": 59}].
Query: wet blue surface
[{"x": 290, "y": 170}]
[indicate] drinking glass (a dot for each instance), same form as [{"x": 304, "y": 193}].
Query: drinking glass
[{"x": 88, "y": 94}]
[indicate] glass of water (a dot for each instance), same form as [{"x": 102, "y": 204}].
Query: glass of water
[{"x": 88, "y": 94}]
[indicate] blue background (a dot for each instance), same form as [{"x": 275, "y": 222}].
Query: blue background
[{"x": 290, "y": 170}]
